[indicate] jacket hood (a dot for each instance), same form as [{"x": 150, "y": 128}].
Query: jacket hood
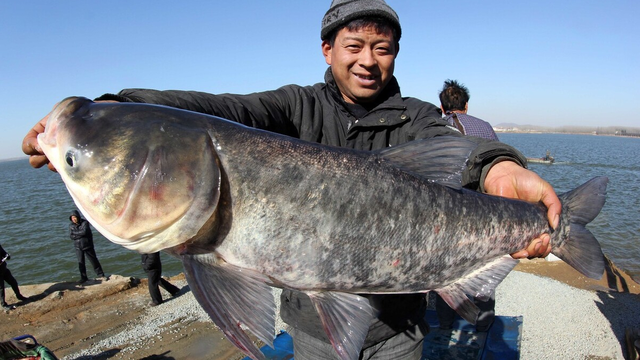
[{"x": 75, "y": 213}]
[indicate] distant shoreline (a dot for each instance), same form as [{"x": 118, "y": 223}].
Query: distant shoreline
[
  {"x": 499, "y": 131},
  {"x": 502, "y": 131},
  {"x": 13, "y": 159}
]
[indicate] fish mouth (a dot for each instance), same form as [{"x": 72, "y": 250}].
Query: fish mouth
[{"x": 62, "y": 110}]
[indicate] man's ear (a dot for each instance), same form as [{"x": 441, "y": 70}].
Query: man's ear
[{"x": 326, "y": 51}]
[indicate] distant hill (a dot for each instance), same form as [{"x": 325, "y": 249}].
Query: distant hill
[
  {"x": 15, "y": 158},
  {"x": 509, "y": 125},
  {"x": 600, "y": 130}
]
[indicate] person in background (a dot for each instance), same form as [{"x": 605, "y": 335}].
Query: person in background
[
  {"x": 153, "y": 267},
  {"x": 358, "y": 106},
  {"x": 80, "y": 233},
  {"x": 454, "y": 102},
  {"x": 5, "y": 275}
]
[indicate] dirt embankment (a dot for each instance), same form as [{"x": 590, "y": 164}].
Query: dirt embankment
[{"x": 68, "y": 318}]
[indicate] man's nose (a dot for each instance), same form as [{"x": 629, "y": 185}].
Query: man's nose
[{"x": 367, "y": 58}]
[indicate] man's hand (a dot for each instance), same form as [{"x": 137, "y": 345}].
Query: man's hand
[
  {"x": 30, "y": 145},
  {"x": 510, "y": 180}
]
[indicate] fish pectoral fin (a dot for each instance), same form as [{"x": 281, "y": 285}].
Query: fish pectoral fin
[
  {"x": 480, "y": 284},
  {"x": 346, "y": 319},
  {"x": 440, "y": 159},
  {"x": 458, "y": 301},
  {"x": 233, "y": 296}
]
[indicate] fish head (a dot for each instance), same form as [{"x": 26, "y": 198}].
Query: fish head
[{"x": 145, "y": 176}]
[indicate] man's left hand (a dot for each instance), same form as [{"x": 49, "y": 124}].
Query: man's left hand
[{"x": 510, "y": 180}]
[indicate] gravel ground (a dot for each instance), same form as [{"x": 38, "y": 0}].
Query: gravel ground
[
  {"x": 158, "y": 323},
  {"x": 562, "y": 322},
  {"x": 151, "y": 327},
  {"x": 559, "y": 321}
]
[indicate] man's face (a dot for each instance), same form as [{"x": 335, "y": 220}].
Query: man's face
[
  {"x": 74, "y": 219},
  {"x": 362, "y": 62}
]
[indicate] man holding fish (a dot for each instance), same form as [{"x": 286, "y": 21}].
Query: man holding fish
[{"x": 359, "y": 106}]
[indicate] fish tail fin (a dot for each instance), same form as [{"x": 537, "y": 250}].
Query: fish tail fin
[{"x": 572, "y": 242}]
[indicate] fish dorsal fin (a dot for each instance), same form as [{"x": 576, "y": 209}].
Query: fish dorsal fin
[
  {"x": 233, "y": 296},
  {"x": 346, "y": 319},
  {"x": 440, "y": 159},
  {"x": 481, "y": 283}
]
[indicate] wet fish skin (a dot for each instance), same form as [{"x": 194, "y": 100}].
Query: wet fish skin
[{"x": 246, "y": 209}]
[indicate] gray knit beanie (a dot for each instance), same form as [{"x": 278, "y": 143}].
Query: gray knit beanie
[{"x": 342, "y": 12}]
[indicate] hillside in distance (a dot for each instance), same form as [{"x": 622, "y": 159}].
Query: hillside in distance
[{"x": 600, "y": 130}]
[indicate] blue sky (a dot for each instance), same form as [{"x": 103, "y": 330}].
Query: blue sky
[{"x": 544, "y": 62}]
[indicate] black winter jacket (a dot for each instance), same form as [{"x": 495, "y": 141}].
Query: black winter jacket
[
  {"x": 80, "y": 233},
  {"x": 319, "y": 114},
  {"x": 151, "y": 261},
  {"x": 3, "y": 264},
  {"x": 3, "y": 253}
]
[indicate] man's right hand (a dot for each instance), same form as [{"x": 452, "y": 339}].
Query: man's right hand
[{"x": 30, "y": 145}]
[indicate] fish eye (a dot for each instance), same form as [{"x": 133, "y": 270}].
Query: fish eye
[{"x": 70, "y": 157}]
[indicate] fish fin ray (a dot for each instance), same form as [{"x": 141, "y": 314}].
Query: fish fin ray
[
  {"x": 583, "y": 253},
  {"x": 481, "y": 284},
  {"x": 440, "y": 159},
  {"x": 581, "y": 249},
  {"x": 458, "y": 301},
  {"x": 229, "y": 294},
  {"x": 346, "y": 319}
]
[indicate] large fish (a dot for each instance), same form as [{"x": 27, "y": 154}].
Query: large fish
[{"x": 246, "y": 209}]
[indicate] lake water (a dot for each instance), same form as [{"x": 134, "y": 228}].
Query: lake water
[
  {"x": 582, "y": 157},
  {"x": 35, "y": 208},
  {"x": 34, "y": 229}
]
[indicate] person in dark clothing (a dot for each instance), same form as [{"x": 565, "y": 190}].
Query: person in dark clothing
[
  {"x": 5, "y": 275},
  {"x": 358, "y": 106},
  {"x": 454, "y": 102},
  {"x": 153, "y": 267},
  {"x": 80, "y": 233}
]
